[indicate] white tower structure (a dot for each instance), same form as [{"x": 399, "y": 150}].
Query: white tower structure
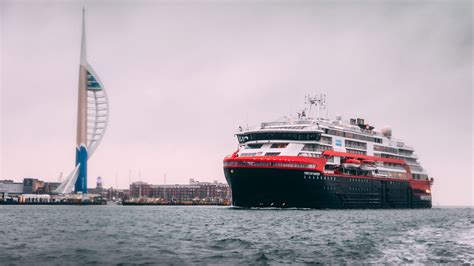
[{"x": 92, "y": 120}]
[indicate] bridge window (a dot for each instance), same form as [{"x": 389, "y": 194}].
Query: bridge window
[{"x": 297, "y": 136}]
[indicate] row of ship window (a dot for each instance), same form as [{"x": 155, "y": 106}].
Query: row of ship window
[
  {"x": 314, "y": 136},
  {"x": 351, "y": 135},
  {"x": 359, "y": 189},
  {"x": 319, "y": 177},
  {"x": 349, "y": 144},
  {"x": 393, "y": 150},
  {"x": 366, "y": 189},
  {"x": 278, "y": 145},
  {"x": 420, "y": 176},
  {"x": 356, "y": 144},
  {"x": 307, "y": 147},
  {"x": 350, "y": 188},
  {"x": 326, "y": 140},
  {"x": 356, "y": 151},
  {"x": 251, "y": 154},
  {"x": 323, "y": 148},
  {"x": 416, "y": 168},
  {"x": 332, "y": 178},
  {"x": 272, "y": 153},
  {"x": 315, "y": 155},
  {"x": 273, "y": 146},
  {"x": 393, "y": 166},
  {"x": 397, "y": 175},
  {"x": 359, "y": 180},
  {"x": 280, "y": 164},
  {"x": 316, "y": 147},
  {"x": 405, "y": 152},
  {"x": 307, "y": 136},
  {"x": 395, "y": 182},
  {"x": 320, "y": 148},
  {"x": 391, "y": 174},
  {"x": 383, "y": 155}
]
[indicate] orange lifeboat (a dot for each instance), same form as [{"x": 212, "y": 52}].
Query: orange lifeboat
[{"x": 351, "y": 164}]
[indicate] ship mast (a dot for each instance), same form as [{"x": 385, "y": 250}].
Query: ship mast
[{"x": 319, "y": 101}]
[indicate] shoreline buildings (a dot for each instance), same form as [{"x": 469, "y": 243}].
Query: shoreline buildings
[
  {"x": 193, "y": 193},
  {"x": 34, "y": 190}
]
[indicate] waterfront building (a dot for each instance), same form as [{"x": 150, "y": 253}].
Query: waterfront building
[
  {"x": 48, "y": 188},
  {"x": 116, "y": 194},
  {"x": 194, "y": 191},
  {"x": 32, "y": 185},
  {"x": 9, "y": 188},
  {"x": 140, "y": 189},
  {"x": 33, "y": 190},
  {"x": 174, "y": 192},
  {"x": 92, "y": 119}
]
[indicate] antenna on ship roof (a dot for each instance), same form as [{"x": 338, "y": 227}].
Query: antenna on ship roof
[
  {"x": 247, "y": 121},
  {"x": 319, "y": 101}
]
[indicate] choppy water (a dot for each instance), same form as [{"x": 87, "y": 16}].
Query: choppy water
[{"x": 222, "y": 235}]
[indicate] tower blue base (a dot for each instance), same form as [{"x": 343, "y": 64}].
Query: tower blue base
[{"x": 81, "y": 158}]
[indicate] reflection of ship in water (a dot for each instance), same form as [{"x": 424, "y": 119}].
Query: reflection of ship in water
[{"x": 322, "y": 163}]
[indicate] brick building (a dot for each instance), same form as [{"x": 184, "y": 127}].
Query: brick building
[{"x": 194, "y": 191}]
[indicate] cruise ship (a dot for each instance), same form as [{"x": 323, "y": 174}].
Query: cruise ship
[{"x": 316, "y": 162}]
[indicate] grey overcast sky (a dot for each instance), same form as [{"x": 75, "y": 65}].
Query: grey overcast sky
[{"x": 183, "y": 75}]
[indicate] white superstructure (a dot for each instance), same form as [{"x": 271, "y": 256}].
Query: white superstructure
[{"x": 311, "y": 136}]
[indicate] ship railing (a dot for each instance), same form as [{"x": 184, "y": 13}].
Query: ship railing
[{"x": 286, "y": 123}]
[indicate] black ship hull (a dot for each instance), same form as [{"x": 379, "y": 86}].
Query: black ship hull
[{"x": 294, "y": 188}]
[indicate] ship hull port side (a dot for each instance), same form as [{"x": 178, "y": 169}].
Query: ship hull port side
[{"x": 300, "y": 184}]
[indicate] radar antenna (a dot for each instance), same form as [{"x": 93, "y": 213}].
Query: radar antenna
[{"x": 318, "y": 100}]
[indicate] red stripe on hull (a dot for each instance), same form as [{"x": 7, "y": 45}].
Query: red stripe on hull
[
  {"x": 276, "y": 161},
  {"x": 298, "y": 163}
]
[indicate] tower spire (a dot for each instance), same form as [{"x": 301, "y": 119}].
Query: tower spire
[{"x": 83, "y": 41}]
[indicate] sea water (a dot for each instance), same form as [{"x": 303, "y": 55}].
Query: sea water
[{"x": 224, "y": 235}]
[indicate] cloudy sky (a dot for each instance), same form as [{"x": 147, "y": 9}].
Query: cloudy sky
[{"x": 183, "y": 75}]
